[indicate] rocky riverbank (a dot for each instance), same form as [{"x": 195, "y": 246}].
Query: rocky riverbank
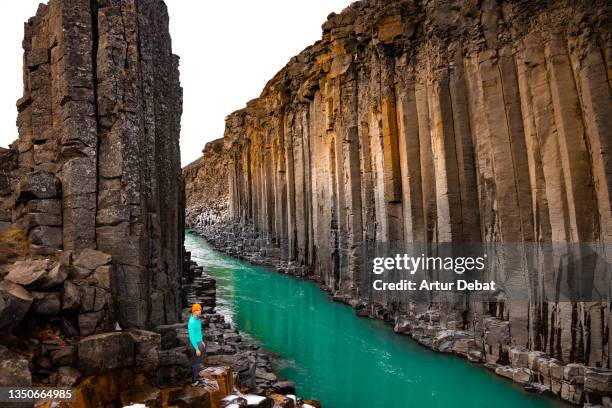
[
  {"x": 490, "y": 347},
  {"x": 253, "y": 368}
]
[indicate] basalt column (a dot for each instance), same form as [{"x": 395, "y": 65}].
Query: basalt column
[
  {"x": 414, "y": 125},
  {"x": 98, "y": 152}
]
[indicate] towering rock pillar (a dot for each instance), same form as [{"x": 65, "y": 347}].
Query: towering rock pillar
[{"x": 98, "y": 148}]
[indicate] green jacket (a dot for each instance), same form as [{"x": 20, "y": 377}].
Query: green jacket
[{"x": 194, "y": 328}]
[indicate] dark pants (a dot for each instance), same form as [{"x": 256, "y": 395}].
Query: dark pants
[{"x": 196, "y": 361}]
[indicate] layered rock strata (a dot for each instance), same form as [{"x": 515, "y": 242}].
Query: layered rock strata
[{"x": 440, "y": 122}]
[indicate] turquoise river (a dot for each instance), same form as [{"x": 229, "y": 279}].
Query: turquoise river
[{"x": 340, "y": 359}]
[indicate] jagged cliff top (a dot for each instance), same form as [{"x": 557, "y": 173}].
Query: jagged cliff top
[{"x": 410, "y": 26}]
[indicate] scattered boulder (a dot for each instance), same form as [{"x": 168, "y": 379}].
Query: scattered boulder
[
  {"x": 505, "y": 371},
  {"x": 282, "y": 401},
  {"x": 522, "y": 375},
  {"x": 56, "y": 276},
  {"x": 14, "y": 303},
  {"x": 284, "y": 387},
  {"x": 104, "y": 352},
  {"x": 169, "y": 338},
  {"x": 67, "y": 376},
  {"x": 147, "y": 346},
  {"x": 90, "y": 259},
  {"x": 402, "y": 325},
  {"x": 28, "y": 272}
]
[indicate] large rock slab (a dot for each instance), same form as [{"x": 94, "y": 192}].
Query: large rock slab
[
  {"x": 147, "y": 348},
  {"x": 14, "y": 369},
  {"x": 29, "y": 272},
  {"x": 103, "y": 352}
]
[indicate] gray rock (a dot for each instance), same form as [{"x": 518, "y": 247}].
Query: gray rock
[
  {"x": 176, "y": 356},
  {"x": 65, "y": 356},
  {"x": 101, "y": 277},
  {"x": 90, "y": 259},
  {"x": 147, "y": 347},
  {"x": 14, "y": 303},
  {"x": 45, "y": 240},
  {"x": 169, "y": 338},
  {"x": 106, "y": 351},
  {"x": 71, "y": 297},
  {"x": 14, "y": 369},
  {"x": 145, "y": 394},
  {"x": 574, "y": 373},
  {"x": 505, "y": 371},
  {"x": 89, "y": 323},
  {"x": 29, "y": 272},
  {"x": 522, "y": 375},
  {"x": 38, "y": 184},
  {"x": 56, "y": 276},
  {"x": 46, "y": 303},
  {"x": 403, "y": 325},
  {"x": 67, "y": 376},
  {"x": 598, "y": 380}
]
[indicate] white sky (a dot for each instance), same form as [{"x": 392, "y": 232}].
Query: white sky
[{"x": 229, "y": 49}]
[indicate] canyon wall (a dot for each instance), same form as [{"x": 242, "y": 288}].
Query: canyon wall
[
  {"x": 434, "y": 122},
  {"x": 97, "y": 164},
  {"x": 206, "y": 179}
]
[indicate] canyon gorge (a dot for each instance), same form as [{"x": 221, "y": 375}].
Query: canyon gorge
[{"x": 424, "y": 123}]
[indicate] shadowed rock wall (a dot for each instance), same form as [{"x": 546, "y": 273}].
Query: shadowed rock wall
[
  {"x": 98, "y": 148},
  {"x": 433, "y": 122}
]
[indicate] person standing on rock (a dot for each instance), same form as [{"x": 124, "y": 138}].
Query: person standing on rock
[{"x": 194, "y": 328}]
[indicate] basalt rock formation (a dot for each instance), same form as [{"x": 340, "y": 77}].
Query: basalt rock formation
[
  {"x": 101, "y": 107},
  {"x": 207, "y": 181},
  {"x": 91, "y": 198},
  {"x": 434, "y": 122}
]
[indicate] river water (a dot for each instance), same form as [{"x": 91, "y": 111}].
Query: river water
[{"x": 340, "y": 359}]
